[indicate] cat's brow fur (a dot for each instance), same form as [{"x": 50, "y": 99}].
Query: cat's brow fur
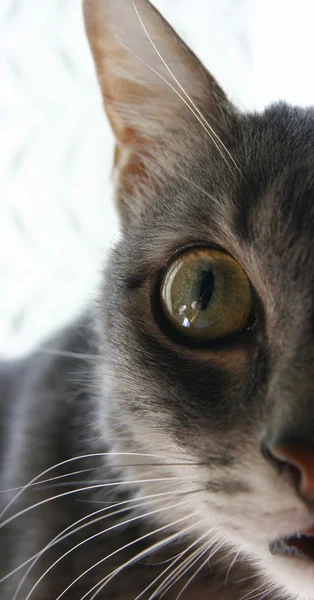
[{"x": 158, "y": 414}]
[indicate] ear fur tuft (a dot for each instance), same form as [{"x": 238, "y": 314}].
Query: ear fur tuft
[{"x": 135, "y": 52}]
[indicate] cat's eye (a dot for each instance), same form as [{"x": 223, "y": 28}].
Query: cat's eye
[{"x": 206, "y": 295}]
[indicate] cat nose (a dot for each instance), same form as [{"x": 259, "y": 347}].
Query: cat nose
[{"x": 296, "y": 462}]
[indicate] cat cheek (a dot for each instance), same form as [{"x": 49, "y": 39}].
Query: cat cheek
[
  {"x": 233, "y": 361},
  {"x": 238, "y": 366}
]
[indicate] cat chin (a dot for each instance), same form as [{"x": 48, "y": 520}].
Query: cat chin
[{"x": 293, "y": 578}]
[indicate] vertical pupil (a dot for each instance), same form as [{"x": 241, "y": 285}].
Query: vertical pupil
[{"x": 206, "y": 288}]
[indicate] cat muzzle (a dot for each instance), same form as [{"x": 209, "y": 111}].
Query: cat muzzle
[{"x": 299, "y": 545}]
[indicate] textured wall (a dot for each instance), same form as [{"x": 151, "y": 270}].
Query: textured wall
[
  {"x": 55, "y": 153},
  {"x": 56, "y": 217}
]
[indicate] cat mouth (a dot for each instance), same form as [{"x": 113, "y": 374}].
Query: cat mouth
[{"x": 299, "y": 545}]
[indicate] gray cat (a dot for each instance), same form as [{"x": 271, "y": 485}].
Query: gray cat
[{"x": 165, "y": 441}]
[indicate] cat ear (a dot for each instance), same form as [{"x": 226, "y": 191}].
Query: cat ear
[{"x": 143, "y": 68}]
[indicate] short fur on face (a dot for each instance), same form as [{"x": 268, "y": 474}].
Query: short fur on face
[{"x": 192, "y": 170}]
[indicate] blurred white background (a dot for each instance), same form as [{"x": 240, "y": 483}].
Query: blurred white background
[{"x": 56, "y": 216}]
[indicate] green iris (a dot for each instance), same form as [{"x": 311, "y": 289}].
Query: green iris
[{"x": 206, "y": 295}]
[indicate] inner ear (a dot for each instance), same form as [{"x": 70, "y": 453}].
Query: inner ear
[{"x": 155, "y": 93}]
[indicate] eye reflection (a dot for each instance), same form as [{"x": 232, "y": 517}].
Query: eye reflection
[
  {"x": 185, "y": 321},
  {"x": 205, "y": 294}
]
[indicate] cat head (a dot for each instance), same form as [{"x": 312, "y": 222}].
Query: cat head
[{"x": 206, "y": 315}]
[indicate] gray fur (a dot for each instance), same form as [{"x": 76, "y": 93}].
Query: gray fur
[{"x": 159, "y": 407}]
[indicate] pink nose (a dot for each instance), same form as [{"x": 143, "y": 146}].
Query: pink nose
[{"x": 302, "y": 459}]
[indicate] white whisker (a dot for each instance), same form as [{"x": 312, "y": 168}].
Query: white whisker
[
  {"x": 69, "y": 460},
  {"x": 248, "y": 595},
  {"x": 55, "y": 541},
  {"x": 173, "y": 562},
  {"x": 181, "y": 98},
  {"x": 21, "y": 487},
  {"x": 101, "y": 584},
  {"x": 211, "y": 132},
  {"x": 61, "y": 536},
  {"x": 179, "y": 572},
  {"x": 65, "y": 354},
  {"x": 66, "y": 533},
  {"x": 194, "y": 574},
  {"x": 175, "y": 575},
  {"x": 246, "y": 578},
  {"x": 102, "y": 532},
  {"x": 231, "y": 565},
  {"x": 84, "y": 489},
  {"x": 198, "y": 557},
  {"x": 197, "y": 187}
]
